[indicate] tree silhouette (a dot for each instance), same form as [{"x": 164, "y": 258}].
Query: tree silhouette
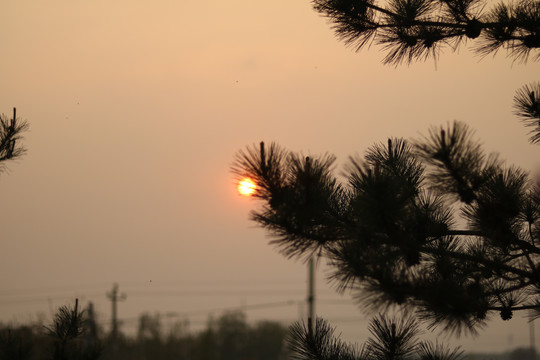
[
  {"x": 71, "y": 334},
  {"x": 68, "y": 325},
  {"x": 391, "y": 339},
  {"x": 527, "y": 108},
  {"x": 417, "y": 29},
  {"x": 10, "y": 136},
  {"x": 410, "y": 30},
  {"x": 434, "y": 226}
]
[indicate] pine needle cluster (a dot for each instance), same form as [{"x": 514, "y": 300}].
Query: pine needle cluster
[
  {"x": 11, "y": 130},
  {"x": 391, "y": 339},
  {"x": 410, "y": 30},
  {"x": 434, "y": 226},
  {"x": 527, "y": 109}
]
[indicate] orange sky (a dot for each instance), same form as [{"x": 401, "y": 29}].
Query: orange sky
[{"x": 136, "y": 110}]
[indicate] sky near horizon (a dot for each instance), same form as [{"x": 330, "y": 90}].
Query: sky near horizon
[{"x": 136, "y": 109}]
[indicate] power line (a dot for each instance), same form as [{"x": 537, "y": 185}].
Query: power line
[
  {"x": 130, "y": 284},
  {"x": 172, "y": 293},
  {"x": 52, "y": 289},
  {"x": 224, "y": 309},
  {"x": 212, "y": 292},
  {"x": 45, "y": 298}
]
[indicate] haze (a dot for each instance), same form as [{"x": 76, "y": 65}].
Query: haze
[{"x": 136, "y": 109}]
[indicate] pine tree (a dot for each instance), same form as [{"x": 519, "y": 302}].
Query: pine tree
[
  {"x": 433, "y": 226},
  {"x": 527, "y": 108},
  {"x": 11, "y": 130},
  {"x": 67, "y": 326},
  {"x": 417, "y": 29}
]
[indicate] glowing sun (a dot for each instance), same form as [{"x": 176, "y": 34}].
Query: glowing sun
[{"x": 246, "y": 187}]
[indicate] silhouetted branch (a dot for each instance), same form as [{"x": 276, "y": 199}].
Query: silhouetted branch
[
  {"x": 416, "y": 29},
  {"x": 11, "y": 130},
  {"x": 527, "y": 108},
  {"x": 389, "y": 233}
]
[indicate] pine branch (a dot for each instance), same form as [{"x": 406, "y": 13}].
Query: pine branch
[
  {"x": 11, "y": 130},
  {"x": 527, "y": 109},
  {"x": 320, "y": 344},
  {"x": 393, "y": 241},
  {"x": 430, "y": 351},
  {"x": 393, "y": 339},
  {"x": 487, "y": 263},
  {"x": 415, "y": 29}
]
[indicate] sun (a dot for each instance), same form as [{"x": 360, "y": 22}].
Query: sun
[{"x": 246, "y": 187}]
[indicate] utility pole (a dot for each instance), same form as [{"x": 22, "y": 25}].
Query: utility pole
[
  {"x": 115, "y": 297},
  {"x": 311, "y": 295},
  {"x": 91, "y": 320}
]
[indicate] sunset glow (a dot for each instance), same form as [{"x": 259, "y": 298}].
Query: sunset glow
[
  {"x": 145, "y": 115},
  {"x": 246, "y": 187}
]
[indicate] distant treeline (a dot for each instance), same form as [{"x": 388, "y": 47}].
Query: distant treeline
[{"x": 74, "y": 335}]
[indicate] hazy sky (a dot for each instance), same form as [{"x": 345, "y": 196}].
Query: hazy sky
[{"x": 136, "y": 110}]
